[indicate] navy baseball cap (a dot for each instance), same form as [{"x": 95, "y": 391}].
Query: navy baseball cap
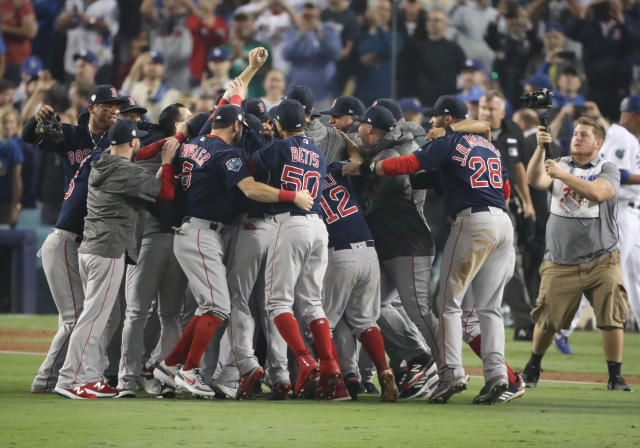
[
  {"x": 254, "y": 122},
  {"x": 158, "y": 57},
  {"x": 379, "y": 117},
  {"x": 290, "y": 114},
  {"x": 229, "y": 113},
  {"x": 123, "y": 131},
  {"x": 393, "y": 107},
  {"x": 303, "y": 95},
  {"x": 631, "y": 104},
  {"x": 345, "y": 105},
  {"x": 32, "y": 66},
  {"x": 132, "y": 106},
  {"x": 539, "y": 80},
  {"x": 105, "y": 93},
  {"x": 449, "y": 105},
  {"x": 256, "y": 107},
  {"x": 553, "y": 26},
  {"x": 410, "y": 105},
  {"x": 218, "y": 54},
  {"x": 473, "y": 64},
  {"x": 88, "y": 56}
]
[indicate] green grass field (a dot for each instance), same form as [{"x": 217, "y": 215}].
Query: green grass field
[{"x": 554, "y": 414}]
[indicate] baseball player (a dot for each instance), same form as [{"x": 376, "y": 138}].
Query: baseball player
[
  {"x": 351, "y": 292},
  {"x": 108, "y": 238},
  {"x": 621, "y": 147},
  {"x": 478, "y": 258},
  {"x": 297, "y": 258},
  {"x": 211, "y": 170},
  {"x": 342, "y": 112}
]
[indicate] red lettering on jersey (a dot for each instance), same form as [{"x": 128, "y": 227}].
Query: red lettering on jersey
[
  {"x": 294, "y": 154},
  {"x": 465, "y": 153},
  {"x": 315, "y": 160},
  {"x": 329, "y": 181}
]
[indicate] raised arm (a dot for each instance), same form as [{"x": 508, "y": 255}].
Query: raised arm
[
  {"x": 467, "y": 126},
  {"x": 537, "y": 176}
]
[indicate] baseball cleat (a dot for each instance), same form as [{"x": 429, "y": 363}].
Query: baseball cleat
[
  {"x": 41, "y": 389},
  {"x": 562, "y": 343},
  {"x": 341, "y": 394},
  {"x": 126, "y": 393},
  {"x": 491, "y": 391},
  {"x": 224, "y": 392},
  {"x": 191, "y": 381},
  {"x": 247, "y": 383},
  {"x": 618, "y": 383},
  {"x": 370, "y": 388},
  {"x": 387, "y": 382},
  {"x": 308, "y": 374},
  {"x": 77, "y": 393},
  {"x": 531, "y": 375},
  {"x": 100, "y": 389},
  {"x": 166, "y": 374},
  {"x": 352, "y": 384},
  {"x": 330, "y": 378},
  {"x": 446, "y": 389},
  {"x": 425, "y": 386},
  {"x": 515, "y": 390},
  {"x": 280, "y": 391}
]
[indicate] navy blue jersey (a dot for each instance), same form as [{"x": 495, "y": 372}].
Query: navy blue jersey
[
  {"x": 341, "y": 211},
  {"x": 76, "y": 144},
  {"x": 251, "y": 142},
  {"x": 470, "y": 170},
  {"x": 74, "y": 205},
  {"x": 210, "y": 169}
]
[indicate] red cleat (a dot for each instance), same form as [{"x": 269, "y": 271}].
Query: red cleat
[
  {"x": 341, "y": 394},
  {"x": 308, "y": 373},
  {"x": 246, "y": 383},
  {"x": 280, "y": 392},
  {"x": 100, "y": 389},
  {"x": 77, "y": 393},
  {"x": 330, "y": 378}
]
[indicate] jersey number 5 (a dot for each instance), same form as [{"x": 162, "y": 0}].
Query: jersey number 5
[
  {"x": 296, "y": 179},
  {"x": 495, "y": 172}
]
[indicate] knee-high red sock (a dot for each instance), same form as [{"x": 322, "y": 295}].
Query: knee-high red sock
[
  {"x": 322, "y": 339},
  {"x": 475, "y": 345},
  {"x": 179, "y": 353},
  {"x": 205, "y": 329},
  {"x": 288, "y": 327},
  {"x": 372, "y": 341}
]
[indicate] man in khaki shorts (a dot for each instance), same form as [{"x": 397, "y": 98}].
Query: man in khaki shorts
[{"x": 581, "y": 249}]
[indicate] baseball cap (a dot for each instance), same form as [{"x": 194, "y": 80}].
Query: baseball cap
[
  {"x": 410, "y": 105},
  {"x": 156, "y": 56},
  {"x": 254, "y": 122},
  {"x": 473, "y": 95},
  {"x": 132, "y": 106},
  {"x": 123, "y": 131},
  {"x": 290, "y": 114},
  {"x": 88, "y": 56},
  {"x": 449, "y": 105},
  {"x": 379, "y": 117},
  {"x": 393, "y": 107},
  {"x": 345, "y": 105},
  {"x": 229, "y": 113},
  {"x": 218, "y": 54},
  {"x": 256, "y": 107},
  {"x": 32, "y": 66},
  {"x": 105, "y": 93},
  {"x": 553, "y": 26},
  {"x": 303, "y": 95},
  {"x": 631, "y": 104},
  {"x": 539, "y": 80},
  {"x": 473, "y": 64}
]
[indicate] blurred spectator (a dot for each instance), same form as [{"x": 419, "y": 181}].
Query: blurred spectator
[
  {"x": 312, "y": 49},
  {"x": 216, "y": 75},
  {"x": 412, "y": 20},
  {"x": 274, "y": 86},
  {"x": 46, "y": 12},
  {"x": 42, "y": 84},
  {"x": 169, "y": 35},
  {"x": 11, "y": 160},
  {"x": 204, "y": 104},
  {"x": 344, "y": 20},
  {"x": 242, "y": 42},
  {"x": 272, "y": 23},
  {"x": 429, "y": 68},
  {"x": 471, "y": 19},
  {"x": 607, "y": 48},
  {"x": 145, "y": 83},
  {"x": 207, "y": 31},
  {"x": 137, "y": 46},
  {"x": 86, "y": 66},
  {"x": 536, "y": 82},
  {"x": 555, "y": 53},
  {"x": 3, "y": 57},
  {"x": 79, "y": 98},
  {"x": 91, "y": 26},
  {"x": 18, "y": 28},
  {"x": 373, "y": 50},
  {"x": 412, "y": 110},
  {"x": 31, "y": 71},
  {"x": 568, "y": 103},
  {"x": 514, "y": 40},
  {"x": 7, "y": 90}
]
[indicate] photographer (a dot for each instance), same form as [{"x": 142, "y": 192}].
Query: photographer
[{"x": 581, "y": 247}]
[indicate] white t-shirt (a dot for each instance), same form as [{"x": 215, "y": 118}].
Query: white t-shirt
[
  {"x": 271, "y": 29},
  {"x": 622, "y": 148}
]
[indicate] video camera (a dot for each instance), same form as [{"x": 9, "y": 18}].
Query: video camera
[
  {"x": 50, "y": 129},
  {"x": 540, "y": 99}
]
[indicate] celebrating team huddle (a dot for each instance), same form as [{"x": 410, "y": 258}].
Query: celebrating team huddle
[{"x": 245, "y": 225}]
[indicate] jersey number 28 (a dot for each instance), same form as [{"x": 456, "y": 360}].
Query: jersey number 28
[{"x": 495, "y": 172}]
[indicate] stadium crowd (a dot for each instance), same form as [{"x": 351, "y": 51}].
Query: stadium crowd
[{"x": 173, "y": 57}]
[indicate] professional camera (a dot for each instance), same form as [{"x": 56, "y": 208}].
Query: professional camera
[
  {"x": 540, "y": 99},
  {"x": 50, "y": 129}
]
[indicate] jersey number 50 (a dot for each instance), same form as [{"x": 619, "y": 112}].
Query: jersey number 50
[
  {"x": 296, "y": 179},
  {"x": 495, "y": 172}
]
